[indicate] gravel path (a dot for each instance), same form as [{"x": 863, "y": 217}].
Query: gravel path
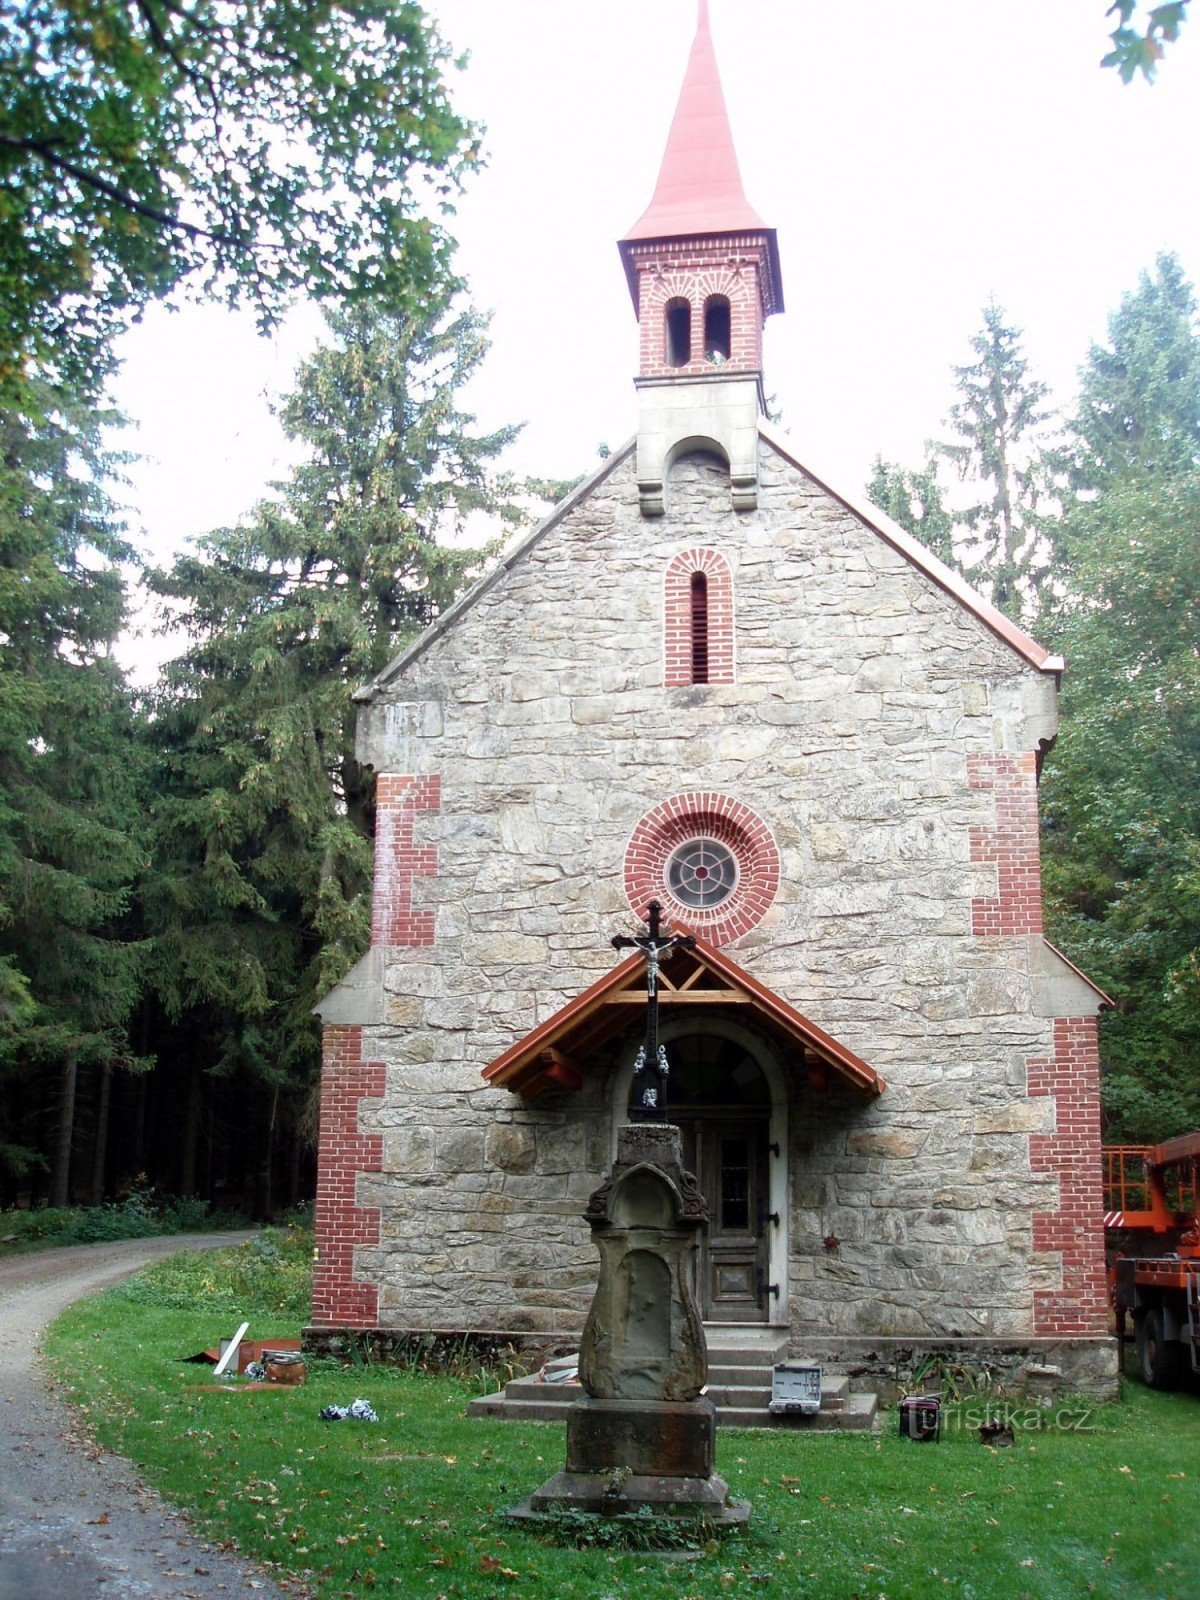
[{"x": 75, "y": 1522}]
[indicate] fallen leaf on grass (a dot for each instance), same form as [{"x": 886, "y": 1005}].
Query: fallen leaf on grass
[{"x": 490, "y": 1564}]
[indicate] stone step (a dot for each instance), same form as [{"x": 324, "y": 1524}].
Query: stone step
[
  {"x": 535, "y": 1388},
  {"x": 738, "y": 1345},
  {"x": 527, "y": 1400},
  {"x": 834, "y": 1393},
  {"x": 507, "y": 1408},
  {"x": 857, "y": 1416}
]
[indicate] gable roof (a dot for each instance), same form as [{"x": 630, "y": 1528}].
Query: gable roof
[
  {"x": 554, "y": 1051},
  {"x": 953, "y": 583}
]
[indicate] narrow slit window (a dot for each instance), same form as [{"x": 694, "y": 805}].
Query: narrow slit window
[
  {"x": 679, "y": 333},
  {"x": 717, "y": 344},
  {"x": 699, "y": 628}
]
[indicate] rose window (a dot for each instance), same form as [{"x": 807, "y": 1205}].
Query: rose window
[{"x": 708, "y": 859}]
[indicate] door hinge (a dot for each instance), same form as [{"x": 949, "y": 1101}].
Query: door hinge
[{"x": 762, "y": 1288}]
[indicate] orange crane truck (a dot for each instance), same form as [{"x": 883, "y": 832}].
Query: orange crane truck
[{"x": 1152, "y": 1227}]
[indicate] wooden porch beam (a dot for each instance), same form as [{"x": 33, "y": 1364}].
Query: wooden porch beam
[
  {"x": 562, "y": 1069},
  {"x": 680, "y": 997}
]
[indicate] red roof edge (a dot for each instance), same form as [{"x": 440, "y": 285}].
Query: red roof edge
[
  {"x": 837, "y": 1054},
  {"x": 849, "y": 1066},
  {"x": 546, "y": 1032},
  {"x": 913, "y": 550},
  {"x": 1105, "y": 999}
]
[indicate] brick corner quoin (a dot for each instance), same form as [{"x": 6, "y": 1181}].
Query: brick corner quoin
[{"x": 344, "y": 1151}]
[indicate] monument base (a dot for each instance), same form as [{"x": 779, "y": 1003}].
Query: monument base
[
  {"x": 598, "y": 1494},
  {"x": 626, "y": 1455},
  {"x": 647, "y": 1438}
]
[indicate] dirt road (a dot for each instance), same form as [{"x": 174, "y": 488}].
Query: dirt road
[{"x": 75, "y": 1522}]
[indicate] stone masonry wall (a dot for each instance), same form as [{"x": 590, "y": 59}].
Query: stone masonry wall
[{"x": 869, "y": 718}]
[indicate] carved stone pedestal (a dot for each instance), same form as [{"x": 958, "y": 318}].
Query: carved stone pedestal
[{"x": 644, "y": 1437}]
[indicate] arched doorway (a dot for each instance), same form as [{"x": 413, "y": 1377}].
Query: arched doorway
[{"x": 721, "y": 1098}]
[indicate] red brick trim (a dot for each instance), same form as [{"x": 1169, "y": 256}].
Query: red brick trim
[
  {"x": 736, "y": 266},
  {"x": 343, "y": 1152},
  {"x": 677, "y": 617},
  {"x": 711, "y": 816},
  {"x": 400, "y": 861},
  {"x": 1011, "y": 846},
  {"x": 1075, "y": 1232}
]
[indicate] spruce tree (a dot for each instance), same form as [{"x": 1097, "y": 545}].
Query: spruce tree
[
  {"x": 259, "y": 895},
  {"x": 1000, "y": 431},
  {"x": 70, "y": 825}
]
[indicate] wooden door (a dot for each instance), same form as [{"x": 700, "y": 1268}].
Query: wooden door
[{"x": 729, "y": 1158}]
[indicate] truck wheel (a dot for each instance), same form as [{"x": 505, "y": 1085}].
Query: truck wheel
[{"x": 1160, "y": 1360}]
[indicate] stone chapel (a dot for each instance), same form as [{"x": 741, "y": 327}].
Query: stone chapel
[{"x": 714, "y": 679}]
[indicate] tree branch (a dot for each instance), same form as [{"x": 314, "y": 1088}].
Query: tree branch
[{"x": 141, "y": 208}]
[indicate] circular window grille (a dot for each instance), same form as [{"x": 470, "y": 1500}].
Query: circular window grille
[{"x": 701, "y": 873}]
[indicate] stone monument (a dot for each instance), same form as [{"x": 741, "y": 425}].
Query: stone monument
[{"x": 645, "y": 1435}]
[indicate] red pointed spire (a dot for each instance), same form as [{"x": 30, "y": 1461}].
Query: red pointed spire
[{"x": 700, "y": 186}]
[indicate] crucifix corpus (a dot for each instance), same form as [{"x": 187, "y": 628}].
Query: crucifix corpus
[{"x": 650, "y": 1069}]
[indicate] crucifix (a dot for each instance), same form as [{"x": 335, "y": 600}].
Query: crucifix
[{"x": 650, "y": 1069}]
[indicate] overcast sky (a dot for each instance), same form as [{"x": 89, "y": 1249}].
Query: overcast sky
[{"x": 916, "y": 157}]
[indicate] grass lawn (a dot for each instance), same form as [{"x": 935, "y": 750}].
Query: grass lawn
[{"x": 414, "y": 1504}]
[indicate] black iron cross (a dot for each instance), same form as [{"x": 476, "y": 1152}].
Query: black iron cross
[{"x": 650, "y": 1069}]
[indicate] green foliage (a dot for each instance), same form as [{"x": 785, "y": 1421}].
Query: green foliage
[
  {"x": 1139, "y": 401},
  {"x": 416, "y": 1501},
  {"x": 914, "y": 500},
  {"x": 643, "y": 1529},
  {"x": 141, "y": 1215},
  {"x": 999, "y": 530},
  {"x": 258, "y": 897},
  {"x": 252, "y": 150},
  {"x": 1137, "y": 51},
  {"x": 269, "y": 1275},
  {"x": 1121, "y": 797}
]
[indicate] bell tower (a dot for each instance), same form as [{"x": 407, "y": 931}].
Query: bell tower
[{"x": 703, "y": 270}]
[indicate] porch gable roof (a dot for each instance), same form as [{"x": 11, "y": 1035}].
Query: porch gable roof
[{"x": 553, "y": 1052}]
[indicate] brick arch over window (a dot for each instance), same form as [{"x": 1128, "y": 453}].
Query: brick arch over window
[
  {"x": 704, "y": 815},
  {"x": 697, "y": 619}
]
